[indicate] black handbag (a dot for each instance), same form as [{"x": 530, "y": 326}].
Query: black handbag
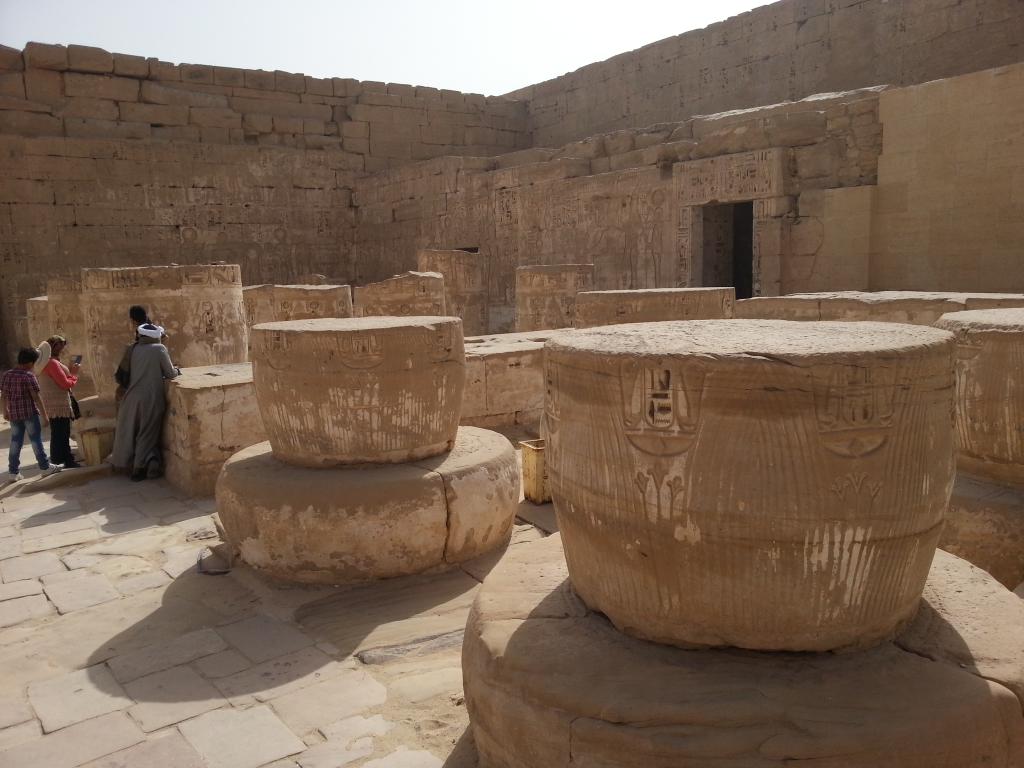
[{"x": 75, "y": 409}]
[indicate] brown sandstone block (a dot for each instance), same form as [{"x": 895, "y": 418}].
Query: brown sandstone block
[
  {"x": 287, "y": 124},
  {"x": 11, "y": 59},
  {"x": 163, "y": 70},
  {"x": 30, "y": 124},
  {"x": 25, "y": 190},
  {"x": 85, "y": 58},
  {"x": 313, "y": 126},
  {"x": 259, "y": 79},
  {"x": 95, "y": 128},
  {"x": 374, "y": 86},
  {"x": 319, "y": 86},
  {"x": 156, "y": 114},
  {"x": 101, "y": 109},
  {"x": 156, "y": 93},
  {"x": 197, "y": 73},
  {"x": 12, "y": 84},
  {"x": 281, "y": 108},
  {"x": 360, "y": 146},
  {"x": 401, "y": 89},
  {"x": 43, "y": 56},
  {"x": 101, "y": 87},
  {"x": 130, "y": 66},
  {"x": 289, "y": 82},
  {"x": 217, "y": 117},
  {"x": 229, "y": 76},
  {"x": 43, "y": 85},
  {"x": 355, "y": 129},
  {"x": 213, "y": 134},
  {"x": 257, "y": 123},
  {"x": 346, "y": 86},
  {"x": 23, "y": 105},
  {"x": 176, "y": 133}
]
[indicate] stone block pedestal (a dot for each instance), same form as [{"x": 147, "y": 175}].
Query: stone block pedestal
[
  {"x": 374, "y": 521},
  {"x": 549, "y": 683}
]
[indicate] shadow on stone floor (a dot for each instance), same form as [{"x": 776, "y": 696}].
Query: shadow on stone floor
[{"x": 401, "y": 616}]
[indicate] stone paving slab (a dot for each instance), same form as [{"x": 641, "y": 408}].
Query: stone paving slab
[
  {"x": 350, "y": 693},
  {"x": 74, "y": 594},
  {"x": 22, "y": 588},
  {"x": 405, "y": 758},
  {"x": 170, "y": 696},
  {"x": 22, "y": 609},
  {"x": 76, "y": 696},
  {"x": 261, "y": 638},
  {"x": 14, "y": 710},
  {"x": 20, "y": 734},
  {"x": 230, "y": 738},
  {"x": 279, "y": 676},
  {"x": 223, "y": 664},
  {"x": 30, "y": 566},
  {"x": 168, "y": 750},
  {"x": 158, "y": 657},
  {"x": 75, "y": 745}
]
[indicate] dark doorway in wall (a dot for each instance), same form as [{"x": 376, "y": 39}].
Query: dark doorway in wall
[{"x": 728, "y": 248}]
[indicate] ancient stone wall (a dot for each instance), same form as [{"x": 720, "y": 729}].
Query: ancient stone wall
[
  {"x": 626, "y": 202},
  {"x": 779, "y": 52},
  {"x": 84, "y": 92},
  {"x": 950, "y": 202},
  {"x": 72, "y": 203}
]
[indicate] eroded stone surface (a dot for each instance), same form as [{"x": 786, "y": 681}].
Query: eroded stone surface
[
  {"x": 546, "y": 294},
  {"x": 990, "y": 394},
  {"x": 359, "y": 523},
  {"x": 550, "y": 684},
  {"x": 410, "y": 294},
  {"x": 651, "y": 305},
  {"x": 378, "y": 389},
  {"x": 275, "y": 303},
  {"x": 200, "y": 306},
  {"x": 465, "y": 284},
  {"x": 760, "y": 484}
]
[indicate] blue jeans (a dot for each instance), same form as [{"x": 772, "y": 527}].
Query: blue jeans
[{"x": 35, "y": 436}]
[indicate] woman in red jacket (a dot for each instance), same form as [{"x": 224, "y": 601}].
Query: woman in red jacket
[{"x": 55, "y": 385}]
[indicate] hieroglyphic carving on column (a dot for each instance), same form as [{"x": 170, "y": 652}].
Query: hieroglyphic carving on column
[
  {"x": 689, "y": 230},
  {"x": 732, "y": 178},
  {"x": 465, "y": 284}
]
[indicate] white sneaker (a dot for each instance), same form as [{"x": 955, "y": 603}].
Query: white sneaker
[
  {"x": 14, "y": 478},
  {"x": 53, "y": 469}
]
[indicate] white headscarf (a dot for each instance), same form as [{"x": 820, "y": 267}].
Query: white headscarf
[{"x": 151, "y": 331}]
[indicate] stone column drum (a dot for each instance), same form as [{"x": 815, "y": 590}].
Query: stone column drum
[
  {"x": 349, "y": 391},
  {"x": 546, "y": 294},
  {"x": 200, "y": 306},
  {"x": 762, "y": 484},
  {"x": 990, "y": 392}
]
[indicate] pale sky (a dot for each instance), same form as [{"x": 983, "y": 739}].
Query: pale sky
[{"x": 466, "y": 45}]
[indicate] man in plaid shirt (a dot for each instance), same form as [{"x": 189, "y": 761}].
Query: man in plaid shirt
[{"x": 19, "y": 389}]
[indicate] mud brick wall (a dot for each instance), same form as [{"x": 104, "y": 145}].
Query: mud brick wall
[
  {"x": 779, "y": 52},
  {"x": 613, "y": 200},
  {"x": 70, "y": 203},
  {"x": 83, "y": 92}
]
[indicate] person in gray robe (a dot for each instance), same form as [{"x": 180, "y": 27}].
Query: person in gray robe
[{"x": 140, "y": 416}]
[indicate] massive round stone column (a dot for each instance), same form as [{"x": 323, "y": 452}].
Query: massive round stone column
[
  {"x": 985, "y": 523},
  {"x": 199, "y": 305},
  {"x": 347, "y": 391},
  {"x": 761, "y": 484},
  {"x": 366, "y": 474},
  {"x": 990, "y": 392}
]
